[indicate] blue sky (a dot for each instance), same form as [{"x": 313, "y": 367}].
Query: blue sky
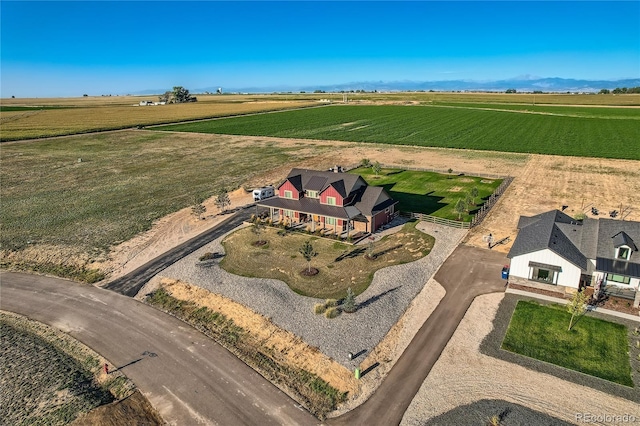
[{"x": 70, "y": 48}]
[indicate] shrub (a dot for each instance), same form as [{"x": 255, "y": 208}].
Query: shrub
[
  {"x": 331, "y": 303},
  {"x": 319, "y": 308},
  {"x": 332, "y": 313},
  {"x": 208, "y": 255},
  {"x": 580, "y": 216}
]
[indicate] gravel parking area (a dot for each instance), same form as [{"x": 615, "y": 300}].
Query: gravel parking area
[
  {"x": 381, "y": 305},
  {"x": 481, "y": 413}
]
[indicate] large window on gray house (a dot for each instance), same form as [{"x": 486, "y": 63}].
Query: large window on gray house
[
  {"x": 544, "y": 273},
  {"x": 618, "y": 278}
]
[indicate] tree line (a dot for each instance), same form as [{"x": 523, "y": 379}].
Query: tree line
[{"x": 620, "y": 90}]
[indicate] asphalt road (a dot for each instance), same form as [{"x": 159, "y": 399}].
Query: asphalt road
[
  {"x": 186, "y": 376},
  {"x": 130, "y": 284},
  {"x": 467, "y": 273}
]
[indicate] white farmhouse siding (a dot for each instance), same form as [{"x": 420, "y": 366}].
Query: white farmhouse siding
[{"x": 568, "y": 276}]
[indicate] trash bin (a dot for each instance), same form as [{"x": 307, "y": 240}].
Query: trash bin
[{"x": 505, "y": 273}]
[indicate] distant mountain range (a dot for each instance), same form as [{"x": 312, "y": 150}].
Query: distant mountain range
[{"x": 520, "y": 84}]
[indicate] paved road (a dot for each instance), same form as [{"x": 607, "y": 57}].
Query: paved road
[
  {"x": 467, "y": 273},
  {"x": 130, "y": 284},
  {"x": 186, "y": 376}
]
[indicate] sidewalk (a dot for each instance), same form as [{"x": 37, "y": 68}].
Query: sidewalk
[{"x": 565, "y": 301}]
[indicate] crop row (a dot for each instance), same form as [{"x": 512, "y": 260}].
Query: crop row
[
  {"x": 463, "y": 128},
  {"x": 50, "y": 121}
]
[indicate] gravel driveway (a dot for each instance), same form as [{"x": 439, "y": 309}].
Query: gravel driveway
[{"x": 381, "y": 305}]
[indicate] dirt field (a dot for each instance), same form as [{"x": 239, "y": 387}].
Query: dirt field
[{"x": 48, "y": 377}]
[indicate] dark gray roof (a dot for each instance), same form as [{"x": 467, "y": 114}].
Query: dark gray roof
[
  {"x": 577, "y": 242},
  {"x": 345, "y": 183},
  {"x": 373, "y": 199},
  {"x": 316, "y": 183},
  {"x": 550, "y": 230},
  {"x": 623, "y": 239},
  {"x": 619, "y": 267},
  {"x": 607, "y": 231},
  {"x": 296, "y": 181}
]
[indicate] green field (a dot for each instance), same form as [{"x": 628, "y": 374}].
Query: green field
[
  {"x": 593, "y": 346},
  {"x": 448, "y": 127},
  {"x": 429, "y": 193}
]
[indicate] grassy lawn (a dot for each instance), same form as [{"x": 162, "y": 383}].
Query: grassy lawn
[
  {"x": 566, "y": 131},
  {"x": 427, "y": 192},
  {"x": 340, "y": 265},
  {"x": 595, "y": 347}
]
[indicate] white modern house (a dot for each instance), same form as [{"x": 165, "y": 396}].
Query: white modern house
[{"x": 553, "y": 251}]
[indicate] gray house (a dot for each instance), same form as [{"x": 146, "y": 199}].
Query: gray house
[{"x": 554, "y": 251}]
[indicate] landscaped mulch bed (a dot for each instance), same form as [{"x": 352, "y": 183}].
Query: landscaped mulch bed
[{"x": 612, "y": 303}]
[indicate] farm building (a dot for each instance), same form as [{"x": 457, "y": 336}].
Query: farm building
[
  {"x": 554, "y": 250},
  {"x": 333, "y": 201}
]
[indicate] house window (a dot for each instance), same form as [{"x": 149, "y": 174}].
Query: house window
[
  {"x": 288, "y": 194},
  {"x": 312, "y": 194},
  {"x": 543, "y": 275},
  {"x": 288, "y": 213},
  {"x": 623, "y": 253},
  {"x": 618, "y": 278},
  {"x": 331, "y": 201},
  {"x": 330, "y": 220}
]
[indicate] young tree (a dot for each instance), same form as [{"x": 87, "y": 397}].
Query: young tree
[
  {"x": 222, "y": 200},
  {"x": 474, "y": 193},
  {"x": 257, "y": 228},
  {"x": 460, "y": 208},
  {"x": 365, "y": 162},
  {"x": 377, "y": 168},
  {"x": 349, "y": 304},
  {"x": 198, "y": 209},
  {"x": 468, "y": 201},
  {"x": 577, "y": 306},
  {"x": 308, "y": 253}
]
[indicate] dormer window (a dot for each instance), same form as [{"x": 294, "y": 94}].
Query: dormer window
[
  {"x": 331, "y": 201},
  {"x": 312, "y": 194},
  {"x": 288, "y": 194},
  {"x": 623, "y": 253}
]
